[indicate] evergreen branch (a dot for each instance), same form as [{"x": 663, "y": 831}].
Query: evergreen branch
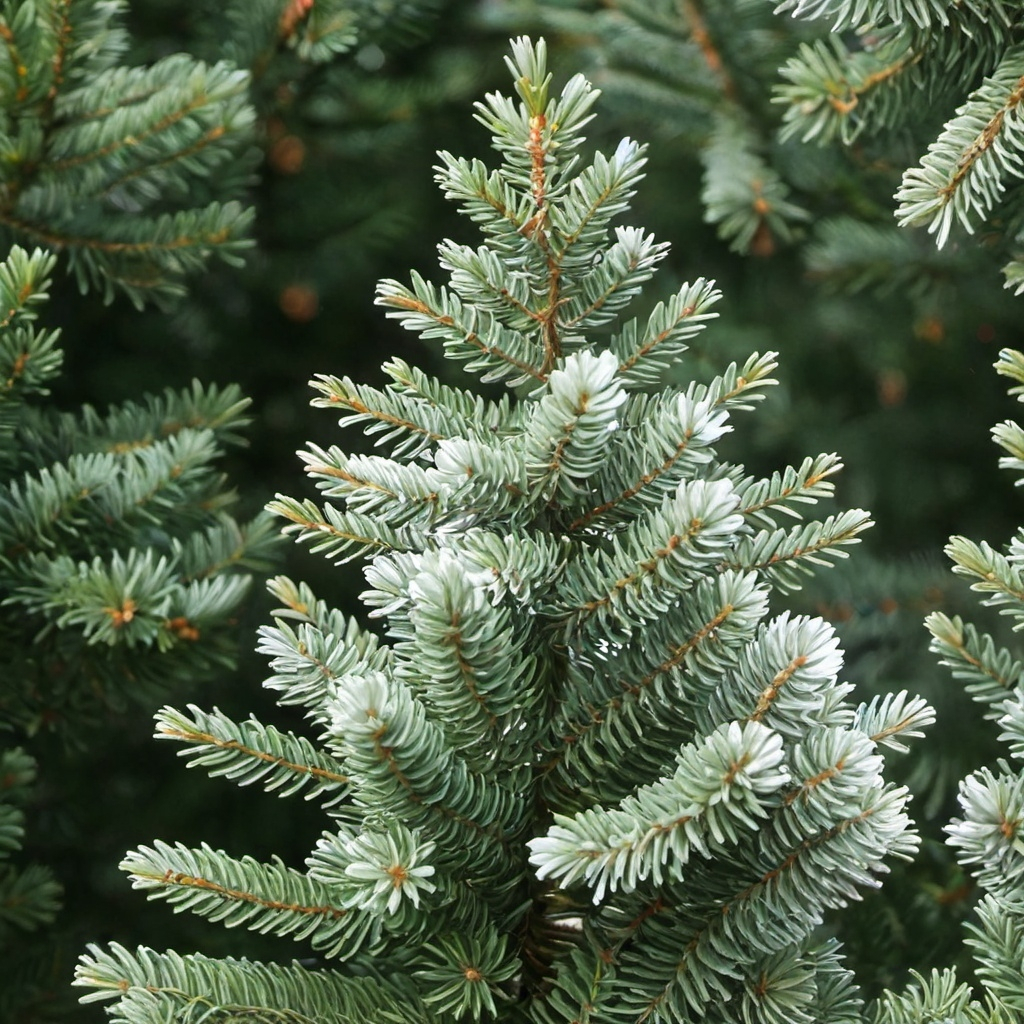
[
  {"x": 739, "y": 387},
  {"x": 785, "y": 555},
  {"x": 785, "y": 677},
  {"x": 301, "y": 604},
  {"x": 1012, "y": 722},
  {"x": 226, "y": 545},
  {"x": 100, "y": 489},
  {"x": 377, "y": 871},
  {"x": 617, "y": 279},
  {"x": 1011, "y": 364},
  {"x": 29, "y": 359},
  {"x": 269, "y": 898},
  {"x": 340, "y": 536},
  {"x": 466, "y": 335},
  {"x": 133, "y": 424},
  {"x": 161, "y": 111},
  {"x": 469, "y": 412},
  {"x": 998, "y": 943},
  {"x": 12, "y": 828},
  {"x": 487, "y": 196},
  {"x": 478, "y": 277},
  {"x": 61, "y": 52},
  {"x": 1010, "y": 437},
  {"x": 373, "y": 486},
  {"x": 992, "y": 673},
  {"x": 406, "y": 768},
  {"x": 644, "y": 357},
  {"x": 466, "y": 973},
  {"x": 890, "y": 719},
  {"x": 170, "y": 242},
  {"x": 522, "y": 565},
  {"x": 992, "y": 573},
  {"x": 17, "y": 773},
  {"x": 538, "y": 145},
  {"x": 680, "y": 427},
  {"x": 833, "y": 92},
  {"x": 720, "y": 787},
  {"x": 30, "y": 897},
  {"x": 479, "y": 481},
  {"x": 925, "y": 14},
  {"x": 766, "y": 916},
  {"x": 601, "y": 191},
  {"x": 240, "y": 985},
  {"x": 653, "y": 561},
  {"x": 248, "y": 752},
  {"x": 138, "y": 600},
  {"x": 963, "y": 172},
  {"x": 782, "y": 491},
  {"x": 157, "y": 168},
  {"x": 1014, "y": 274},
  {"x": 567, "y": 431},
  {"x": 415, "y": 424},
  {"x": 20, "y": 92},
  {"x": 855, "y": 256},
  {"x": 482, "y": 679},
  {"x": 606, "y": 714},
  {"x": 307, "y": 662},
  {"x": 583, "y": 981},
  {"x": 37, "y": 506},
  {"x": 743, "y": 194},
  {"x": 141, "y": 257},
  {"x": 673, "y": 427},
  {"x": 938, "y": 996},
  {"x": 988, "y": 836},
  {"x": 24, "y": 282},
  {"x": 136, "y": 461},
  {"x": 742, "y": 603}
]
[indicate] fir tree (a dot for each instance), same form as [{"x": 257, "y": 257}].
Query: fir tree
[
  {"x": 585, "y": 774},
  {"x": 122, "y": 572}
]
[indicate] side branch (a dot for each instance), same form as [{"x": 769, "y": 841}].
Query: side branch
[
  {"x": 982, "y": 142},
  {"x": 469, "y": 337},
  {"x": 58, "y": 241},
  {"x": 640, "y": 353},
  {"x": 186, "y": 881},
  {"x": 215, "y": 741},
  {"x": 771, "y": 691},
  {"x": 634, "y": 489},
  {"x": 386, "y": 757},
  {"x": 206, "y": 139},
  {"x": 845, "y": 105},
  {"x": 168, "y": 121}
]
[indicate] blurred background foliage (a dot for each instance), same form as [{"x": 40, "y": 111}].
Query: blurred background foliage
[{"x": 886, "y": 352}]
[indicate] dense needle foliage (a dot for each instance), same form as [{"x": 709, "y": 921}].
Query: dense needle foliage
[{"x": 584, "y": 770}]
